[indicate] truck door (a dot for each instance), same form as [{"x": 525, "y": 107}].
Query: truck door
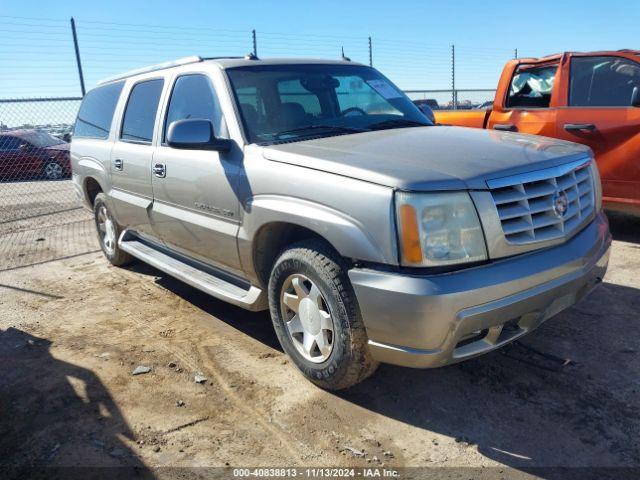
[
  {"x": 600, "y": 114},
  {"x": 527, "y": 106},
  {"x": 132, "y": 155},
  {"x": 196, "y": 206}
]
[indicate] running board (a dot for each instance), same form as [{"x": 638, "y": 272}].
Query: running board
[{"x": 251, "y": 298}]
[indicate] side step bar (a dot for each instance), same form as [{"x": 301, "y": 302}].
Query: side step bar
[{"x": 251, "y": 298}]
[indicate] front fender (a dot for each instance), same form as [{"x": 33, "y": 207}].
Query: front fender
[{"x": 346, "y": 234}]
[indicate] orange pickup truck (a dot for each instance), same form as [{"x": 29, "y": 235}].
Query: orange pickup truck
[{"x": 589, "y": 98}]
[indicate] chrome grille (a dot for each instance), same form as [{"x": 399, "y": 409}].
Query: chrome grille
[{"x": 530, "y": 206}]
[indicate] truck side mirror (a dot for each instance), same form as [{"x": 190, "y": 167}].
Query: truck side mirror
[
  {"x": 196, "y": 134},
  {"x": 635, "y": 97}
]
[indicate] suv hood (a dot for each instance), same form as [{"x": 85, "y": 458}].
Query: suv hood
[{"x": 428, "y": 158}]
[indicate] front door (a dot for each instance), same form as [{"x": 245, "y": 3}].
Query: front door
[
  {"x": 132, "y": 155},
  {"x": 196, "y": 209},
  {"x": 600, "y": 115}
]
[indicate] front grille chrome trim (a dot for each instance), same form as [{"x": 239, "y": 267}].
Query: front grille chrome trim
[{"x": 527, "y": 205}]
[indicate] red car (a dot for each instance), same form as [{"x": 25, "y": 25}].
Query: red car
[{"x": 29, "y": 154}]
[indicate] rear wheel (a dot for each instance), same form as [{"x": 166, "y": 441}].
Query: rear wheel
[
  {"x": 316, "y": 316},
  {"x": 108, "y": 233}
]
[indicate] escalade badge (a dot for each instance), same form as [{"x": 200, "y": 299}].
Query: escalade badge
[{"x": 560, "y": 203}]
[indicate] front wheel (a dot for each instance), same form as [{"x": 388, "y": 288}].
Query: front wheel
[{"x": 316, "y": 316}]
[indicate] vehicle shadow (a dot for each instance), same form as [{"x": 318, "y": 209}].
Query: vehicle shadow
[
  {"x": 625, "y": 228},
  {"x": 57, "y": 419},
  {"x": 257, "y": 325}
]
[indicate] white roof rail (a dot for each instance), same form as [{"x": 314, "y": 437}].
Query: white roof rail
[{"x": 153, "y": 68}]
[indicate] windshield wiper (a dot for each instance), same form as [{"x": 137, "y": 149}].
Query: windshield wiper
[
  {"x": 397, "y": 123},
  {"x": 328, "y": 128}
]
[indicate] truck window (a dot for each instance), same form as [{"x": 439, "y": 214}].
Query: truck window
[
  {"x": 531, "y": 86},
  {"x": 602, "y": 81},
  {"x": 193, "y": 96},
  {"x": 140, "y": 114},
  {"x": 96, "y": 112}
]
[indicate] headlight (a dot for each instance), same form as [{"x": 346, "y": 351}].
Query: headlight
[{"x": 438, "y": 229}]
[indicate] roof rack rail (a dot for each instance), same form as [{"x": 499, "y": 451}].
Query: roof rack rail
[{"x": 153, "y": 68}]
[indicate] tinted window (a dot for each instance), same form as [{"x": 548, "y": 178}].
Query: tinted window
[
  {"x": 603, "y": 81},
  {"x": 294, "y": 102},
  {"x": 8, "y": 144},
  {"x": 140, "y": 114},
  {"x": 96, "y": 111},
  {"x": 531, "y": 86},
  {"x": 193, "y": 97}
]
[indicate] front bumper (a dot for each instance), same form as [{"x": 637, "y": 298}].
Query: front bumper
[{"x": 435, "y": 320}]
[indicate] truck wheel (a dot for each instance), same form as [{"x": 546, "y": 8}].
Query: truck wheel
[
  {"x": 108, "y": 233},
  {"x": 316, "y": 316}
]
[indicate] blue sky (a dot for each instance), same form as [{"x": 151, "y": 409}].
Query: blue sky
[{"x": 411, "y": 39}]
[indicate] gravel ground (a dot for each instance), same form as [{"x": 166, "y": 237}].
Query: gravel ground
[{"x": 73, "y": 330}]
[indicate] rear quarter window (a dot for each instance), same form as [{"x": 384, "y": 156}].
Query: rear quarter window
[{"x": 96, "y": 112}]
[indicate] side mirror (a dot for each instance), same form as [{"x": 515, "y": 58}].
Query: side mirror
[
  {"x": 635, "y": 97},
  {"x": 196, "y": 134}
]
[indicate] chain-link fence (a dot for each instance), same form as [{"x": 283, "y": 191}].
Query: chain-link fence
[
  {"x": 35, "y": 167},
  {"x": 56, "y": 58}
]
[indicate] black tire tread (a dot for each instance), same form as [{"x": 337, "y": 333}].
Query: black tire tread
[{"x": 333, "y": 268}]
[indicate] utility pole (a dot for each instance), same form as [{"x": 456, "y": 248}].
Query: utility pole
[
  {"x": 255, "y": 43},
  {"x": 454, "y": 95},
  {"x": 370, "y": 53},
  {"x": 75, "y": 45}
]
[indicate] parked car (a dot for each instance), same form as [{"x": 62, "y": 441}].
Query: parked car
[
  {"x": 28, "y": 154},
  {"x": 589, "y": 98},
  {"x": 316, "y": 189}
]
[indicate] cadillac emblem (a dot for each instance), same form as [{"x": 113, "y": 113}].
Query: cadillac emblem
[{"x": 560, "y": 204}]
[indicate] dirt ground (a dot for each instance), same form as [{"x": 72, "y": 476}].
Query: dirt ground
[{"x": 73, "y": 330}]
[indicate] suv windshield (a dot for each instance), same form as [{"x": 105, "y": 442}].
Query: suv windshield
[{"x": 296, "y": 102}]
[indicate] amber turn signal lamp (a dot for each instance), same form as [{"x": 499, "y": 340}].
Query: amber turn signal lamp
[{"x": 410, "y": 235}]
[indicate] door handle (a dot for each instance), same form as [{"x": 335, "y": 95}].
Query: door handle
[
  {"x": 118, "y": 164},
  {"x": 579, "y": 127},
  {"x": 505, "y": 127},
  {"x": 160, "y": 170}
]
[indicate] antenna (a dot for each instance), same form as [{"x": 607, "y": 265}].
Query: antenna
[{"x": 346, "y": 59}]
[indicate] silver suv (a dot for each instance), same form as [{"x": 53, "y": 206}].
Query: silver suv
[{"x": 317, "y": 190}]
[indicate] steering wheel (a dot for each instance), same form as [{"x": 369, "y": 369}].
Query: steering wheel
[{"x": 349, "y": 110}]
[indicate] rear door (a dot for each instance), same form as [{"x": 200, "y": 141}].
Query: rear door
[
  {"x": 132, "y": 155},
  {"x": 529, "y": 101},
  {"x": 599, "y": 114},
  {"x": 196, "y": 206}
]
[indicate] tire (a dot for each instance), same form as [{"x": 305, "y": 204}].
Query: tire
[
  {"x": 340, "y": 357},
  {"x": 108, "y": 233},
  {"x": 52, "y": 170}
]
